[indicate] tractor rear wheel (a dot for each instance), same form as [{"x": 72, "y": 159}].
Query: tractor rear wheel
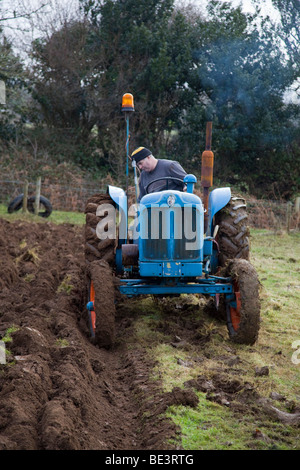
[
  {"x": 243, "y": 311},
  {"x": 102, "y": 310},
  {"x": 95, "y": 248},
  {"x": 233, "y": 233}
]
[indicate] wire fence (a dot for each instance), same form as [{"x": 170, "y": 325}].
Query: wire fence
[
  {"x": 273, "y": 215},
  {"x": 62, "y": 197}
]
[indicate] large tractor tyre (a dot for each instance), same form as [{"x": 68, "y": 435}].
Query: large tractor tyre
[
  {"x": 95, "y": 248},
  {"x": 243, "y": 310},
  {"x": 101, "y": 305},
  {"x": 233, "y": 233},
  {"x": 44, "y": 202},
  {"x": 16, "y": 204}
]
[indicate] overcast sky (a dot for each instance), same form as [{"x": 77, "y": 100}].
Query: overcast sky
[
  {"x": 56, "y": 12},
  {"x": 65, "y": 6},
  {"x": 22, "y": 31}
]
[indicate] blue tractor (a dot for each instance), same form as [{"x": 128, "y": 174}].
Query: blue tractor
[{"x": 177, "y": 243}]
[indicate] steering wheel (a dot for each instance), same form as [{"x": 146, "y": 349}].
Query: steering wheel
[{"x": 167, "y": 179}]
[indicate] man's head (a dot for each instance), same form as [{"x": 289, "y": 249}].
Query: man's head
[{"x": 144, "y": 159}]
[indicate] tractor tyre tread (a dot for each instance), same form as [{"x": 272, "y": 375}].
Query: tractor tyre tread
[
  {"x": 95, "y": 248},
  {"x": 44, "y": 202},
  {"x": 15, "y": 204},
  {"x": 241, "y": 271},
  {"x": 233, "y": 232}
]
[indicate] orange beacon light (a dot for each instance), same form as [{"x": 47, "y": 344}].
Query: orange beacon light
[{"x": 127, "y": 102}]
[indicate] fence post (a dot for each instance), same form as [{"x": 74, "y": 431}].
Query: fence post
[
  {"x": 297, "y": 204},
  {"x": 288, "y": 215},
  {"x": 37, "y": 196},
  {"x": 25, "y": 197}
]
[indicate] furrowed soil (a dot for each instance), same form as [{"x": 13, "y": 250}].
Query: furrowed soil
[{"x": 60, "y": 392}]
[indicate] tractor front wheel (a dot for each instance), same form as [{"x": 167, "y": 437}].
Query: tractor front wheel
[{"x": 243, "y": 309}]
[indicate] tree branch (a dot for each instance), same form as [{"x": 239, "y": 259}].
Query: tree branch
[{"x": 24, "y": 14}]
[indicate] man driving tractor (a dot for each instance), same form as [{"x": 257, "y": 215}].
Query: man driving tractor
[{"x": 153, "y": 169}]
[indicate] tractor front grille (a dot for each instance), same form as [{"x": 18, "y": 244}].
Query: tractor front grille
[{"x": 170, "y": 233}]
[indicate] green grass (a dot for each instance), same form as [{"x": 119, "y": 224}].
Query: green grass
[
  {"x": 6, "y": 339},
  {"x": 66, "y": 285},
  {"x": 56, "y": 217},
  {"x": 59, "y": 217},
  {"x": 62, "y": 343},
  {"x": 277, "y": 261},
  {"x": 209, "y": 427},
  {"x": 7, "y": 336}
]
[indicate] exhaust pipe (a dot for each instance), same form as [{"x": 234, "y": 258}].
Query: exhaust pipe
[{"x": 207, "y": 168}]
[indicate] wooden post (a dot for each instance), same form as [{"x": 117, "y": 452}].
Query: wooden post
[
  {"x": 297, "y": 204},
  {"x": 25, "y": 197},
  {"x": 37, "y": 196},
  {"x": 288, "y": 216}
]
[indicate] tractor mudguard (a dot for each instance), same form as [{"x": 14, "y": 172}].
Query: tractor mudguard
[
  {"x": 120, "y": 198},
  {"x": 218, "y": 199}
]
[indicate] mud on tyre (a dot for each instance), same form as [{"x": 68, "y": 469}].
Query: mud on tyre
[
  {"x": 233, "y": 232},
  {"x": 95, "y": 248},
  {"x": 243, "y": 311}
]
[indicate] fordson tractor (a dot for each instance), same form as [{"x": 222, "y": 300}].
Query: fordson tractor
[{"x": 177, "y": 243}]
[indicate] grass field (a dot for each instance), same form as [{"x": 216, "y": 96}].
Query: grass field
[{"x": 57, "y": 217}]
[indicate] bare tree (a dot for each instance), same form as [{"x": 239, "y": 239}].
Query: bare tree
[
  {"x": 25, "y": 20},
  {"x": 17, "y": 9}
]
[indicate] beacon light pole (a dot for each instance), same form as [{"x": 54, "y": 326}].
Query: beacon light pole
[{"x": 127, "y": 108}]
